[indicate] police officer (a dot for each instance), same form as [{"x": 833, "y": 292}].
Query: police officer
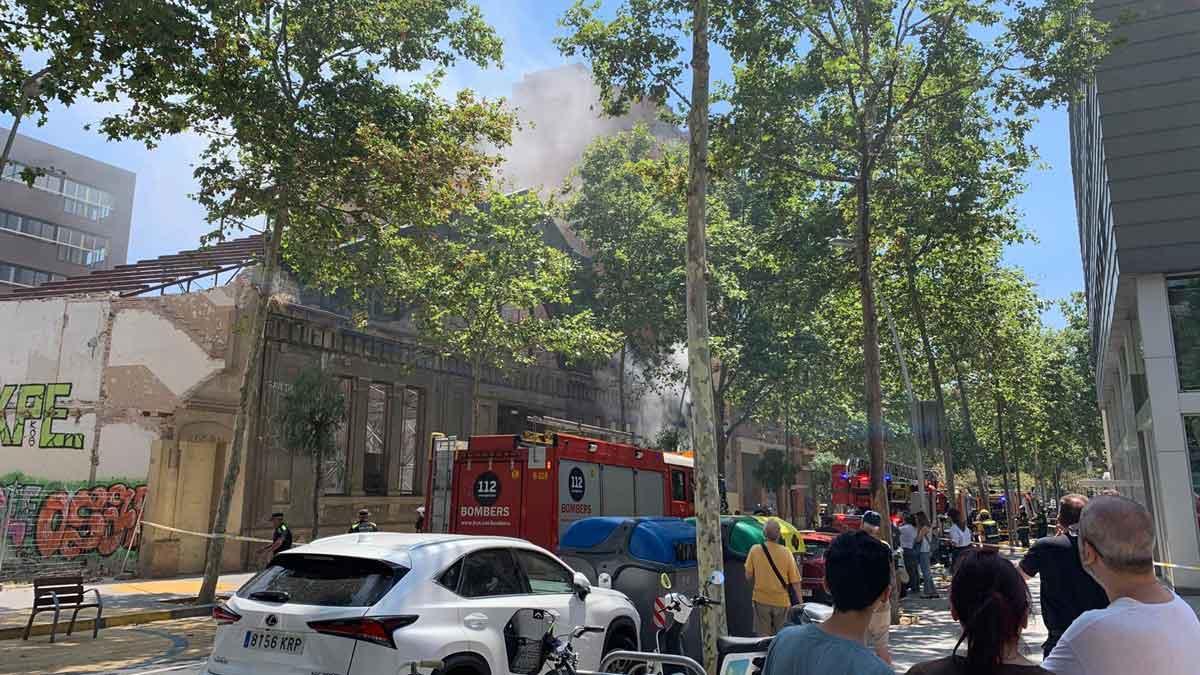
[
  {"x": 281, "y": 539},
  {"x": 363, "y": 524}
]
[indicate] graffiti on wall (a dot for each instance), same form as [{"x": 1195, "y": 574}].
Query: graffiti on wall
[
  {"x": 35, "y": 407},
  {"x": 46, "y": 524}
]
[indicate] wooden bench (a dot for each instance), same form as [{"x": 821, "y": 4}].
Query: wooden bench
[{"x": 54, "y": 594}]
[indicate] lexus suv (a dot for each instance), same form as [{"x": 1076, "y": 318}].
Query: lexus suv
[{"x": 380, "y": 602}]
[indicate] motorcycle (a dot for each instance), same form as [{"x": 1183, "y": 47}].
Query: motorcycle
[{"x": 736, "y": 655}]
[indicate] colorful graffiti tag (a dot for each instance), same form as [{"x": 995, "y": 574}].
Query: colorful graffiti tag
[
  {"x": 37, "y": 405},
  {"x": 54, "y": 524}
]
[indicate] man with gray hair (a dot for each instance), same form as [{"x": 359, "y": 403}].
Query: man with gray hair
[
  {"x": 772, "y": 569},
  {"x": 1146, "y": 628}
]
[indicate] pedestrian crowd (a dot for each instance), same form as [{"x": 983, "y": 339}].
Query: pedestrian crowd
[{"x": 1106, "y": 611}]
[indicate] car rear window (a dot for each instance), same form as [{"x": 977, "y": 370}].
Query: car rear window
[
  {"x": 815, "y": 548},
  {"x": 328, "y": 581}
]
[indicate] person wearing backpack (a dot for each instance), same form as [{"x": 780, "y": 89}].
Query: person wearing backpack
[{"x": 771, "y": 568}]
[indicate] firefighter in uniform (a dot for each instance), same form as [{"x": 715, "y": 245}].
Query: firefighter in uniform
[{"x": 363, "y": 524}]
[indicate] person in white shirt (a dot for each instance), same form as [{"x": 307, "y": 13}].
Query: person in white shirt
[
  {"x": 908, "y": 541},
  {"x": 1146, "y": 627},
  {"x": 960, "y": 535}
]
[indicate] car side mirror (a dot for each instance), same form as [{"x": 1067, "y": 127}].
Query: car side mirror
[{"x": 581, "y": 585}]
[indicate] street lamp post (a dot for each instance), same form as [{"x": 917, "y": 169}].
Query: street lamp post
[{"x": 30, "y": 89}]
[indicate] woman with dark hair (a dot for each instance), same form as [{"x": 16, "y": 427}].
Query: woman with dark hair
[
  {"x": 924, "y": 549},
  {"x": 989, "y": 599}
]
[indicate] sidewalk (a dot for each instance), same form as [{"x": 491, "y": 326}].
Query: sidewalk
[
  {"x": 125, "y": 602},
  {"x": 933, "y": 634},
  {"x": 116, "y": 650}
]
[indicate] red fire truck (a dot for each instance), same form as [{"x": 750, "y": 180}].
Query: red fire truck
[
  {"x": 851, "y": 483},
  {"x": 533, "y": 486}
]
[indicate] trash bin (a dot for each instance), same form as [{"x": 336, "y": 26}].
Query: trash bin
[
  {"x": 635, "y": 553},
  {"x": 738, "y": 535},
  {"x": 789, "y": 536}
]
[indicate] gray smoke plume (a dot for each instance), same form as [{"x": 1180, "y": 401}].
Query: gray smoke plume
[{"x": 560, "y": 114}]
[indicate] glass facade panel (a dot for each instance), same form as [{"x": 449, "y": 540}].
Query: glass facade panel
[
  {"x": 374, "y": 459},
  {"x": 1191, "y": 424},
  {"x": 1183, "y": 294},
  {"x": 335, "y": 465},
  {"x": 82, "y": 200},
  {"x": 409, "y": 441}
]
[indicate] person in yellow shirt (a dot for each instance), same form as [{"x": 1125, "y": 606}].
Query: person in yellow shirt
[{"x": 771, "y": 568}]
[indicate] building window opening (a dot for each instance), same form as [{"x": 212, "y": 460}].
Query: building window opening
[{"x": 375, "y": 459}]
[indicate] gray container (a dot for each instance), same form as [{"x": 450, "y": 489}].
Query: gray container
[{"x": 635, "y": 553}]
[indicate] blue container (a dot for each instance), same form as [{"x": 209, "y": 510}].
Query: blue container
[{"x": 635, "y": 553}]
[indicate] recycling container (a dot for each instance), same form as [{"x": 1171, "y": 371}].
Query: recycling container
[{"x": 636, "y": 553}]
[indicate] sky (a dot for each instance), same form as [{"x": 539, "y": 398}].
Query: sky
[{"x": 166, "y": 220}]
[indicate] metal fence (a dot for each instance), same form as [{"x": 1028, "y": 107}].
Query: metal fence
[{"x": 47, "y": 529}]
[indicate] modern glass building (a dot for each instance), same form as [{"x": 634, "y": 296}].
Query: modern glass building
[
  {"x": 1135, "y": 145},
  {"x": 75, "y": 217}
]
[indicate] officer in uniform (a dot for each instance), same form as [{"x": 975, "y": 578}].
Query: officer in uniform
[
  {"x": 363, "y": 524},
  {"x": 281, "y": 539}
]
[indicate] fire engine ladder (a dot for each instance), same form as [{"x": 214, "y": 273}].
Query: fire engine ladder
[
  {"x": 604, "y": 433},
  {"x": 894, "y": 469}
]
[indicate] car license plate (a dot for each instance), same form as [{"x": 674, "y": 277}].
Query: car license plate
[
  {"x": 284, "y": 643},
  {"x": 806, "y": 592}
]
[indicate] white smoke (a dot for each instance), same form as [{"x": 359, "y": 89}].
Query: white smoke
[{"x": 660, "y": 403}]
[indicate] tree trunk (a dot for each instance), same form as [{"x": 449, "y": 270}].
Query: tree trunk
[
  {"x": 1017, "y": 473},
  {"x": 875, "y": 446},
  {"x": 476, "y": 367},
  {"x": 935, "y": 376},
  {"x": 245, "y": 421},
  {"x": 972, "y": 442},
  {"x": 1008, "y": 500},
  {"x": 708, "y": 499},
  {"x": 621, "y": 389},
  {"x": 318, "y": 487},
  {"x": 722, "y": 439}
]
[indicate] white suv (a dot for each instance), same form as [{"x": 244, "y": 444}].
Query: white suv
[{"x": 375, "y": 603}]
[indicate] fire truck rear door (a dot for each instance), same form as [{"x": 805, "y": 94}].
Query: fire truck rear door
[
  {"x": 651, "y": 493},
  {"x": 618, "y": 495}
]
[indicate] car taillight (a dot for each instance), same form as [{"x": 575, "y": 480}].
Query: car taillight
[
  {"x": 376, "y": 629},
  {"x": 223, "y": 615}
]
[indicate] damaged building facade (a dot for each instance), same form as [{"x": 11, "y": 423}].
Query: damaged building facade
[{"x": 119, "y": 409}]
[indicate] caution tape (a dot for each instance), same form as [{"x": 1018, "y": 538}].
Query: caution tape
[
  {"x": 1177, "y": 567},
  {"x": 1021, "y": 549},
  {"x": 207, "y": 535}
]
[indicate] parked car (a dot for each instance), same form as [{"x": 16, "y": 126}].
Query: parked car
[
  {"x": 374, "y": 603},
  {"x": 812, "y": 568}
]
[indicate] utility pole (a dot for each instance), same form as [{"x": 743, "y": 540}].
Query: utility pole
[{"x": 708, "y": 493}]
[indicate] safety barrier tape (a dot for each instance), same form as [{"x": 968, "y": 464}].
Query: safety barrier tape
[
  {"x": 207, "y": 535},
  {"x": 1021, "y": 549}
]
